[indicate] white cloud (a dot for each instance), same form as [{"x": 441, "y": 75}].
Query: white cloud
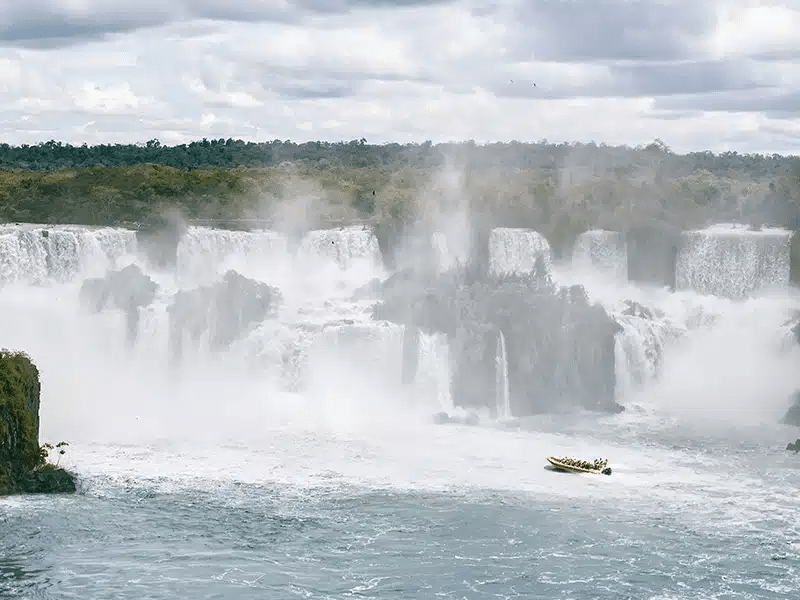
[
  {"x": 697, "y": 75},
  {"x": 117, "y": 98},
  {"x": 752, "y": 29},
  {"x": 223, "y": 97}
]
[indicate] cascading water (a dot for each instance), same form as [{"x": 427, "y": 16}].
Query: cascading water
[
  {"x": 639, "y": 351},
  {"x": 203, "y": 253},
  {"x": 733, "y": 261},
  {"x": 445, "y": 258},
  {"x": 37, "y": 254},
  {"x": 347, "y": 246},
  {"x": 305, "y": 424},
  {"x": 602, "y": 252},
  {"x": 518, "y": 251},
  {"x": 433, "y": 370},
  {"x": 502, "y": 392}
]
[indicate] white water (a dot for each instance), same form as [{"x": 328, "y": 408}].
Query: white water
[
  {"x": 733, "y": 261},
  {"x": 347, "y": 418},
  {"x": 516, "y": 251},
  {"x": 41, "y": 254},
  {"x": 604, "y": 252},
  {"x": 502, "y": 395}
]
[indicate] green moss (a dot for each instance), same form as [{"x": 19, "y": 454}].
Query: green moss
[{"x": 19, "y": 417}]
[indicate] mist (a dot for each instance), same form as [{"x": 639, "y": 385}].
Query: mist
[
  {"x": 324, "y": 362},
  {"x": 734, "y": 375}
]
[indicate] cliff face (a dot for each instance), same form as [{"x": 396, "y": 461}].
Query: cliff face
[
  {"x": 560, "y": 347},
  {"x": 22, "y": 468},
  {"x": 127, "y": 290},
  {"x": 225, "y": 311}
]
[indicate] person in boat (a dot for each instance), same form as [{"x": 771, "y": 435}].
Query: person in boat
[{"x": 597, "y": 465}]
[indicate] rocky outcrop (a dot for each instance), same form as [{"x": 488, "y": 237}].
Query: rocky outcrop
[
  {"x": 22, "y": 464},
  {"x": 158, "y": 238},
  {"x": 224, "y": 311},
  {"x": 128, "y": 290},
  {"x": 442, "y": 418},
  {"x": 652, "y": 255},
  {"x": 792, "y": 416},
  {"x": 634, "y": 309},
  {"x": 794, "y": 259},
  {"x": 560, "y": 347}
]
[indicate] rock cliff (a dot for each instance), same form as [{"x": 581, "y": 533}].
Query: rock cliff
[{"x": 22, "y": 464}]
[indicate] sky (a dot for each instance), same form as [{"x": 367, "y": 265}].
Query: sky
[{"x": 698, "y": 74}]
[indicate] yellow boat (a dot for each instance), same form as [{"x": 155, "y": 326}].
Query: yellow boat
[{"x": 580, "y": 466}]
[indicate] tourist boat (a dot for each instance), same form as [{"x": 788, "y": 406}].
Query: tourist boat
[{"x": 575, "y": 465}]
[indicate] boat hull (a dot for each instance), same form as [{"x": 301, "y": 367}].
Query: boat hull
[{"x": 562, "y": 466}]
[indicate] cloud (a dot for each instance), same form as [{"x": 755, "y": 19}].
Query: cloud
[
  {"x": 53, "y": 23},
  {"x": 59, "y": 23},
  {"x": 601, "y": 30},
  {"x": 695, "y": 74}
]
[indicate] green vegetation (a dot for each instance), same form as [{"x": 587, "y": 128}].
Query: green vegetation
[
  {"x": 44, "y": 454},
  {"x": 19, "y": 417},
  {"x": 23, "y": 463},
  {"x": 561, "y": 189}
]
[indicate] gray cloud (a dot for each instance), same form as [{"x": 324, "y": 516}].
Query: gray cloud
[
  {"x": 58, "y": 23},
  {"x": 599, "y": 30},
  {"x": 780, "y": 104},
  {"x": 633, "y": 80},
  {"x": 49, "y": 25},
  {"x": 315, "y": 90},
  {"x": 250, "y": 11}
]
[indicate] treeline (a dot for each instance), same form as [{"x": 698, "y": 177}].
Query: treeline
[
  {"x": 230, "y": 153},
  {"x": 560, "y": 190}
]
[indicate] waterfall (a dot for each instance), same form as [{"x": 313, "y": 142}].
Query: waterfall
[
  {"x": 370, "y": 351},
  {"x": 639, "y": 351},
  {"x": 346, "y": 246},
  {"x": 411, "y": 352},
  {"x": 37, "y": 254},
  {"x": 502, "y": 395},
  {"x": 602, "y": 252},
  {"x": 445, "y": 258},
  {"x": 433, "y": 371},
  {"x": 204, "y": 252},
  {"x": 518, "y": 252},
  {"x": 733, "y": 261}
]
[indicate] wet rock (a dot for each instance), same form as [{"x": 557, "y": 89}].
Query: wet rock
[
  {"x": 635, "y": 309},
  {"x": 124, "y": 289},
  {"x": 22, "y": 464},
  {"x": 49, "y": 481},
  {"x": 128, "y": 290},
  {"x": 158, "y": 238},
  {"x": 792, "y": 416},
  {"x": 225, "y": 310},
  {"x": 560, "y": 347},
  {"x": 443, "y": 418},
  {"x": 652, "y": 254}
]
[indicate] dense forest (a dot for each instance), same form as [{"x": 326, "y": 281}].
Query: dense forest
[{"x": 560, "y": 189}]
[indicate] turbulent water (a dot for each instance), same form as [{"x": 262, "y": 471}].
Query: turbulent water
[{"x": 303, "y": 461}]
